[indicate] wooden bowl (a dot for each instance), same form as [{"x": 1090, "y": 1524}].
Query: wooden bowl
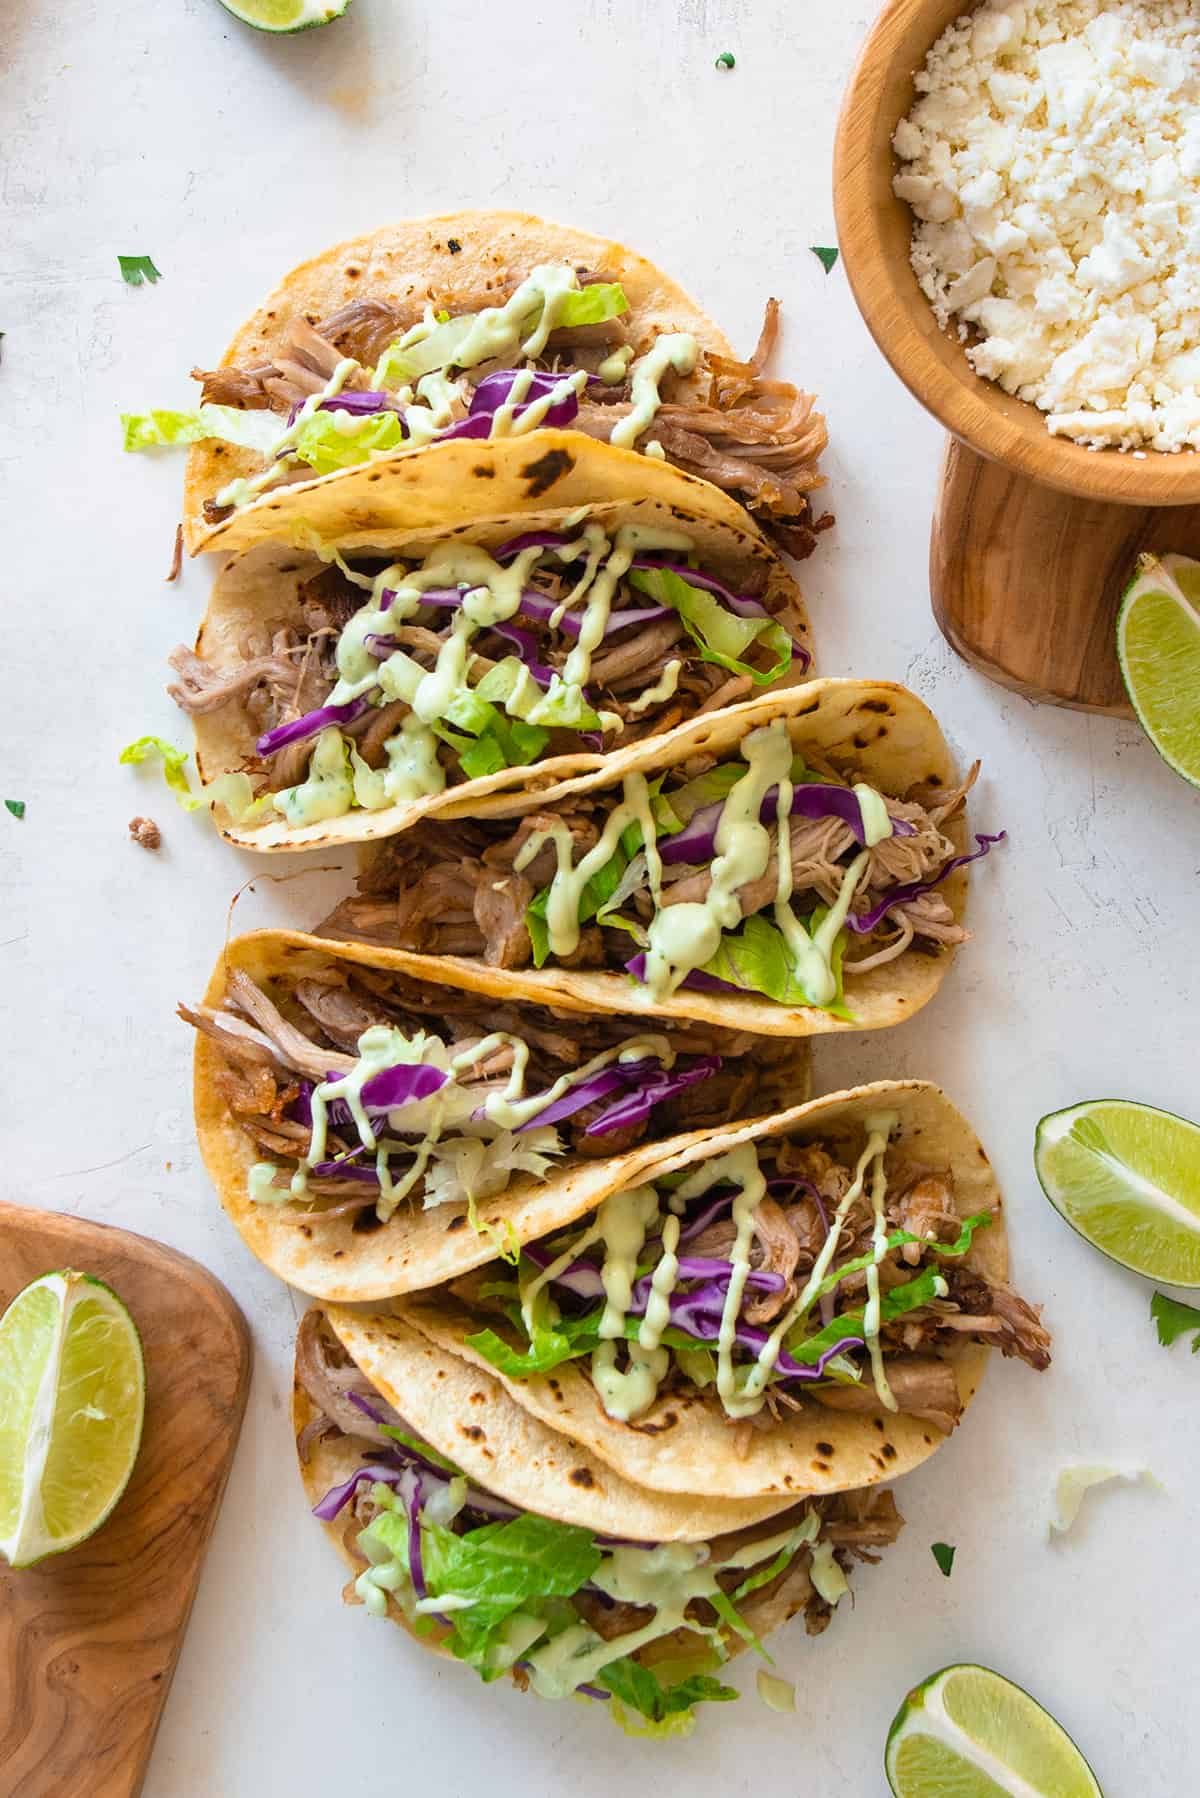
[{"x": 874, "y": 232}]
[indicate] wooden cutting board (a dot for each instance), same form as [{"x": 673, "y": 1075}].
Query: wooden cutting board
[
  {"x": 89, "y": 1640},
  {"x": 1026, "y": 582}
]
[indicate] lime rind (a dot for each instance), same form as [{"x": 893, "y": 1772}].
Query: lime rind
[
  {"x": 72, "y": 1459},
  {"x": 1158, "y": 648},
  {"x": 967, "y": 1732},
  {"x": 1126, "y": 1177},
  {"x": 282, "y": 18}
]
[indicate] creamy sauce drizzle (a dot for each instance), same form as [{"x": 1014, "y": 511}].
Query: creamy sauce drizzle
[
  {"x": 676, "y": 350},
  {"x": 452, "y": 1105},
  {"x": 491, "y": 595}
]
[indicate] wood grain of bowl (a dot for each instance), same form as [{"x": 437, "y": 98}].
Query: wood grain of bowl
[{"x": 874, "y": 231}]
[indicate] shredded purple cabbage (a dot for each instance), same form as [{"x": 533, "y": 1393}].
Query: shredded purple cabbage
[
  {"x": 533, "y": 605},
  {"x": 614, "y": 1078},
  {"x": 697, "y": 981},
  {"x": 492, "y": 393},
  {"x": 360, "y": 401},
  {"x": 336, "y": 1499},
  {"x": 383, "y": 1092},
  {"x": 311, "y": 724},
  {"x": 697, "y": 841},
  {"x": 742, "y": 603},
  {"x": 863, "y": 923},
  {"x": 643, "y": 1084},
  {"x": 636, "y": 1106}
]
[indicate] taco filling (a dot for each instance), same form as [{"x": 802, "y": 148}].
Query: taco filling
[
  {"x": 365, "y": 1088},
  {"x": 771, "y": 1275},
  {"x": 392, "y": 683},
  {"x": 678, "y": 880},
  {"x": 557, "y": 347},
  {"x": 560, "y": 1609}
]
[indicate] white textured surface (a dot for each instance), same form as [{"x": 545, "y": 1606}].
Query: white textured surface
[{"x": 173, "y": 131}]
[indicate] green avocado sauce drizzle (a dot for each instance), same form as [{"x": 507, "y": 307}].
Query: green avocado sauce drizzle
[
  {"x": 414, "y": 366},
  {"x": 451, "y": 1106},
  {"x": 507, "y": 1583},
  {"x": 686, "y": 936},
  {"x": 624, "y": 1223},
  {"x": 444, "y": 696}
]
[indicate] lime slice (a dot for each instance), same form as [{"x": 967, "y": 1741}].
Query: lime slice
[
  {"x": 282, "y": 16},
  {"x": 1127, "y": 1177},
  {"x": 72, "y": 1395},
  {"x": 967, "y": 1733},
  {"x": 1158, "y": 644}
]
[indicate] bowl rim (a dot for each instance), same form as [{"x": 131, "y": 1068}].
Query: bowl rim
[{"x": 967, "y": 405}]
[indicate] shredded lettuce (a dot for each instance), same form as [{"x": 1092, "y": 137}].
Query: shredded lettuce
[
  {"x": 827, "y": 1576},
  {"x": 174, "y": 766},
  {"x": 721, "y": 635},
  {"x": 422, "y": 349},
  {"x": 755, "y": 958},
  {"x": 1074, "y": 1483},
  {"x": 664, "y": 1710},
  {"x": 601, "y": 890},
  {"x": 326, "y": 444},
  {"x": 232, "y": 791},
  {"x": 551, "y": 1345},
  {"x": 160, "y": 430},
  {"x": 776, "y": 1694},
  {"x": 503, "y": 1568},
  {"x": 496, "y": 741},
  {"x": 592, "y": 305}
]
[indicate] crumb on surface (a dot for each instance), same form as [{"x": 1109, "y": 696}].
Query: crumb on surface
[{"x": 145, "y": 832}]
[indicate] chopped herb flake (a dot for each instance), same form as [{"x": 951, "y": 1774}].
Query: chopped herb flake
[
  {"x": 943, "y": 1553},
  {"x": 726, "y": 60},
  {"x": 136, "y": 269},
  {"x": 1174, "y": 1320},
  {"x": 16, "y": 807},
  {"x": 453, "y": 245},
  {"x": 827, "y": 255}
]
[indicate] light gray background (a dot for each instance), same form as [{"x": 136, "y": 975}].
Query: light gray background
[{"x": 172, "y": 130}]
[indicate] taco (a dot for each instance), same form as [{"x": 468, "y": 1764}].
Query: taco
[
  {"x": 654, "y": 885},
  {"x": 495, "y": 1540},
  {"x": 375, "y": 1121},
  {"x": 501, "y": 344},
  {"x": 338, "y": 697},
  {"x": 805, "y": 1303}
]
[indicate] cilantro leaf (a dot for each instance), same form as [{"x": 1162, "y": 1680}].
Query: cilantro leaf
[
  {"x": 136, "y": 269},
  {"x": 943, "y": 1553},
  {"x": 826, "y": 255},
  {"x": 16, "y": 807},
  {"x": 726, "y": 60},
  {"x": 1174, "y": 1319}
]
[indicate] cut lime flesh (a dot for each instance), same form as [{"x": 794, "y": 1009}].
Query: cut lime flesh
[
  {"x": 1127, "y": 1177},
  {"x": 72, "y": 1398},
  {"x": 1158, "y": 646},
  {"x": 283, "y": 16},
  {"x": 968, "y": 1733}
]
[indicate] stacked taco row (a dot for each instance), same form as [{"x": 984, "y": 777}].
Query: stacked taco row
[{"x": 617, "y": 1334}]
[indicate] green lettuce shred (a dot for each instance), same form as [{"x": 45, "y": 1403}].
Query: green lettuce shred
[
  {"x": 165, "y": 429},
  {"x": 720, "y": 635}
]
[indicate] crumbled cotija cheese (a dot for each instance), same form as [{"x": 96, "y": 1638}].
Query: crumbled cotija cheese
[{"x": 1053, "y": 163}]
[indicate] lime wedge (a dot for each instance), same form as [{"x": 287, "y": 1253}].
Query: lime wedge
[
  {"x": 1158, "y": 645},
  {"x": 1127, "y": 1177},
  {"x": 967, "y": 1733},
  {"x": 282, "y": 16},
  {"x": 72, "y": 1395}
]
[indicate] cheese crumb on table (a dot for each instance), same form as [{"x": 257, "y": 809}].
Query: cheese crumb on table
[{"x": 1052, "y": 160}]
